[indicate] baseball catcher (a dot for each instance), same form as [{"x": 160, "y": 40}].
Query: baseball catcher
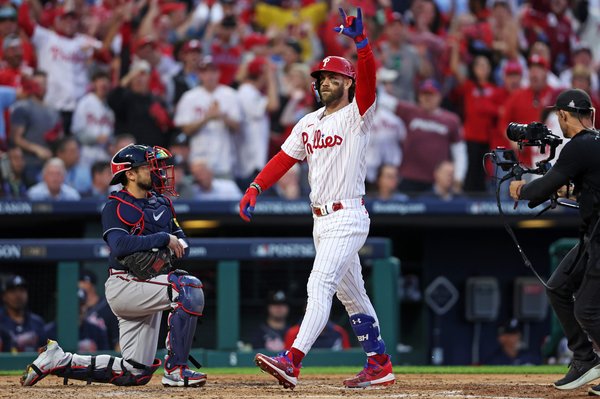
[{"x": 144, "y": 237}]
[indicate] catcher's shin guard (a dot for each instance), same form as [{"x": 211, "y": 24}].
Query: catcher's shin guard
[
  {"x": 188, "y": 303},
  {"x": 107, "y": 369}
]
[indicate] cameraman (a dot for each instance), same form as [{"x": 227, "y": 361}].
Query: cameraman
[{"x": 579, "y": 163}]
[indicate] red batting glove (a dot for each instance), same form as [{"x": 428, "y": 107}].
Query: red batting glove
[{"x": 247, "y": 203}]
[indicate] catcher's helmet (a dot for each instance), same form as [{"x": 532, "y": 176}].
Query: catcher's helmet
[
  {"x": 158, "y": 158},
  {"x": 335, "y": 64}
]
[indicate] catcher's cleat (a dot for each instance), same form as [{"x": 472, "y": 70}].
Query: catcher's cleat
[
  {"x": 281, "y": 367},
  {"x": 580, "y": 373},
  {"x": 182, "y": 376},
  {"x": 374, "y": 374},
  {"x": 47, "y": 361}
]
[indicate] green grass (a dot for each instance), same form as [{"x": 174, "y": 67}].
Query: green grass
[{"x": 397, "y": 370}]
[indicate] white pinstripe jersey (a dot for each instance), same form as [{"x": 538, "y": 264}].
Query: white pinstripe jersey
[{"x": 335, "y": 148}]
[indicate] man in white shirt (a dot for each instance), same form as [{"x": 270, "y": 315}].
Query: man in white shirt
[
  {"x": 52, "y": 187},
  {"x": 94, "y": 121},
  {"x": 64, "y": 55},
  {"x": 206, "y": 187},
  {"x": 253, "y": 141},
  {"x": 210, "y": 115}
]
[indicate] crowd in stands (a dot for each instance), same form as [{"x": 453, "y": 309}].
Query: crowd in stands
[{"x": 221, "y": 83}]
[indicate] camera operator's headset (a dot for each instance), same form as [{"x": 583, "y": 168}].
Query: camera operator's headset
[{"x": 583, "y": 244}]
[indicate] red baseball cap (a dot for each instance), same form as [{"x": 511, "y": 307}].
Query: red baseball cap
[
  {"x": 144, "y": 41},
  {"x": 430, "y": 86},
  {"x": 537, "y": 59},
  {"x": 170, "y": 7},
  {"x": 192, "y": 45},
  {"x": 257, "y": 66},
  {"x": 513, "y": 67},
  {"x": 64, "y": 11},
  {"x": 255, "y": 39}
]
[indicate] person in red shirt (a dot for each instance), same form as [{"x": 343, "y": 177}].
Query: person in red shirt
[
  {"x": 226, "y": 55},
  {"x": 527, "y": 104},
  {"x": 512, "y": 75},
  {"x": 480, "y": 113},
  {"x": 433, "y": 135},
  {"x": 546, "y": 21}
]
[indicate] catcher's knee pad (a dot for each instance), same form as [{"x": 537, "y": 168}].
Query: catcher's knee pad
[
  {"x": 186, "y": 292},
  {"x": 102, "y": 368},
  {"x": 367, "y": 332}
]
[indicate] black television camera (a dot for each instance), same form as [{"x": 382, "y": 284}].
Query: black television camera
[{"x": 534, "y": 134}]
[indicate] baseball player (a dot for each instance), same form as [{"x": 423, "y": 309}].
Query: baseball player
[
  {"x": 334, "y": 142},
  {"x": 139, "y": 220}
]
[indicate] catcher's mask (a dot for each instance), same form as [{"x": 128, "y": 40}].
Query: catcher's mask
[{"x": 158, "y": 158}]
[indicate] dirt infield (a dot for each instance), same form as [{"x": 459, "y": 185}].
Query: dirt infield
[{"x": 263, "y": 386}]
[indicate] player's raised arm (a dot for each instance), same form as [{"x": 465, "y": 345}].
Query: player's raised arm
[{"x": 366, "y": 82}]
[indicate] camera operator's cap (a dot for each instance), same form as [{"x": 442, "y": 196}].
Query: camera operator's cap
[
  {"x": 14, "y": 282},
  {"x": 573, "y": 100},
  {"x": 430, "y": 86},
  {"x": 537, "y": 59},
  {"x": 277, "y": 298}
]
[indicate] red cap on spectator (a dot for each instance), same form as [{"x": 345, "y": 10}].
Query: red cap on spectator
[
  {"x": 429, "y": 86},
  {"x": 256, "y": 67},
  {"x": 393, "y": 16},
  {"x": 170, "y": 7},
  {"x": 255, "y": 39},
  {"x": 513, "y": 67},
  {"x": 537, "y": 59},
  {"x": 64, "y": 11},
  {"x": 192, "y": 45},
  {"x": 144, "y": 41}
]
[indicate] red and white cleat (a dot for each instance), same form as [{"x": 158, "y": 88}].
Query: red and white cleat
[
  {"x": 281, "y": 367},
  {"x": 374, "y": 374}
]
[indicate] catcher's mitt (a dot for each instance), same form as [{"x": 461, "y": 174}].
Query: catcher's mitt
[{"x": 147, "y": 264}]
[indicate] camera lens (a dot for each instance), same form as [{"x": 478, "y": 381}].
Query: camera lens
[{"x": 516, "y": 131}]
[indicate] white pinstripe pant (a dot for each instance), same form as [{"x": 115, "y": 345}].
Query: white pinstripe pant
[{"x": 338, "y": 237}]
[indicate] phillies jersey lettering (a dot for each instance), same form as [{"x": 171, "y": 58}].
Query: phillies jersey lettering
[
  {"x": 320, "y": 141},
  {"x": 335, "y": 148}
]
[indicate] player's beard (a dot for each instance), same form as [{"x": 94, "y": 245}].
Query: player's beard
[
  {"x": 146, "y": 186},
  {"x": 334, "y": 95}
]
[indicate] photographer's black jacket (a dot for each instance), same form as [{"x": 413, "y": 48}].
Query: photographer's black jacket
[{"x": 579, "y": 162}]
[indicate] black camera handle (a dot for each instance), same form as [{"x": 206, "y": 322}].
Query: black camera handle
[{"x": 517, "y": 172}]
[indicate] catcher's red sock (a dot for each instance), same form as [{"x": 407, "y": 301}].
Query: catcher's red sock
[
  {"x": 381, "y": 359},
  {"x": 297, "y": 356}
]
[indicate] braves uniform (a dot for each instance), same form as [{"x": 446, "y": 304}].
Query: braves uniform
[
  {"x": 134, "y": 225},
  {"x": 335, "y": 146}
]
